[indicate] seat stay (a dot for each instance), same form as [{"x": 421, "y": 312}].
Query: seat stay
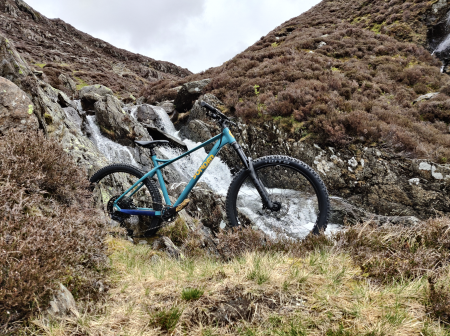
[{"x": 225, "y": 138}]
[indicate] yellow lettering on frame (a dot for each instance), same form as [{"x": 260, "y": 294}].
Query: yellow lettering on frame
[{"x": 203, "y": 166}]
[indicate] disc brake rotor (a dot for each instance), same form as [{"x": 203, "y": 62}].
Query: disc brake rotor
[{"x": 284, "y": 209}]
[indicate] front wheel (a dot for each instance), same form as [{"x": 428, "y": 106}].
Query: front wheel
[{"x": 293, "y": 184}]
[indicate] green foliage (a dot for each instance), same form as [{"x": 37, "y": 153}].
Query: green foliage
[
  {"x": 166, "y": 319},
  {"x": 191, "y": 294}
]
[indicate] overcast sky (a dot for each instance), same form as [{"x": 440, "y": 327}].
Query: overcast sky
[{"x": 194, "y": 34}]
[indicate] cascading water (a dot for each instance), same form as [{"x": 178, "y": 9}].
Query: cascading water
[
  {"x": 112, "y": 150},
  {"x": 218, "y": 175}
]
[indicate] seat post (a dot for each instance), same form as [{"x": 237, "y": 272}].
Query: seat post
[{"x": 152, "y": 151}]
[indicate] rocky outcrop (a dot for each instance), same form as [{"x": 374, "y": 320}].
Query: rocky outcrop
[
  {"x": 145, "y": 114},
  {"x": 47, "y": 107},
  {"x": 116, "y": 124},
  {"x": 16, "y": 109},
  {"x": 63, "y": 303}
]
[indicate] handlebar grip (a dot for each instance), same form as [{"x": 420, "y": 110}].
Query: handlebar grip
[{"x": 207, "y": 106}]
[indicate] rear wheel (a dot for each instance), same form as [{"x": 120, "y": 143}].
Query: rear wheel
[
  {"x": 112, "y": 181},
  {"x": 297, "y": 189}
]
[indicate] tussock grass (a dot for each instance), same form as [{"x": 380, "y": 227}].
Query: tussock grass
[{"x": 257, "y": 293}]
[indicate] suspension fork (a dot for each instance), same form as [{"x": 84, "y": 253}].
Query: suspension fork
[{"x": 248, "y": 163}]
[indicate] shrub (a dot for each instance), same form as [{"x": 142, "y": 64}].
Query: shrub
[{"x": 49, "y": 230}]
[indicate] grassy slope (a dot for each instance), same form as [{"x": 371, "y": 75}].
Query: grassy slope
[
  {"x": 357, "y": 87},
  {"x": 326, "y": 291}
]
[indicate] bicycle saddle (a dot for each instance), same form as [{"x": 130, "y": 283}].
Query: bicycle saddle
[{"x": 152, "y": 144}]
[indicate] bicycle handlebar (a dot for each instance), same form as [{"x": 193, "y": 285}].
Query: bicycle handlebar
[{"x": 215, "y": 113}]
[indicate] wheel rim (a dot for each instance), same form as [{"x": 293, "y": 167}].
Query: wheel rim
[
  {"x": 299, "y": 210},
  {"x": 115, "y": 184}
]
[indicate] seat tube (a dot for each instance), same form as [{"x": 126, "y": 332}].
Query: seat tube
[{"x": 161, "y": 181}]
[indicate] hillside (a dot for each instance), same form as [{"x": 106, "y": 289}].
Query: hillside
[
  {"x": 69, "y": 59},
  {"x": 343, "y": 73}
]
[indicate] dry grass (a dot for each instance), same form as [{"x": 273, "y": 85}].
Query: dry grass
[{"x": 322, "y": 293}]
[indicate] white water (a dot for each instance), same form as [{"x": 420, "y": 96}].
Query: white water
[
  {"x": 217, "y": 176},
  {"x": 113, "y": 151}
]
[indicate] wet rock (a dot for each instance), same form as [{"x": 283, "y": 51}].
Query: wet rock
[
  {"x": 74, "y": 117},
  {"x": 63, "y": 303},
  {"x": 145, "y": 114},
  {"x": 166, "y": 245},
  {"x": 16, "y": 109},
  {"x": 188, "y": 93},
  {"x": 197, "y": 131},
  {"x": 116, "y": 124},
  {"x": 157, "y": 134},
  {"x": 65, "y": 101},
  {"x": 168, "y": 106}
]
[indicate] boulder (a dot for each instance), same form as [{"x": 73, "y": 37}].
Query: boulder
[
  {"x": 16, "y": 109},
  {"x": 188, "y": 93},
  {"x": 197, "y": 131},
  {"x": 91, "y": 94},
  {"x": 101, "y": 90},
  {"x": 145, "y": 114},
  {"x": 116, "y": 124}
]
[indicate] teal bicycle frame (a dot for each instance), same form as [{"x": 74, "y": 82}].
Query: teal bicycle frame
[{"x": 222, "y": 139}]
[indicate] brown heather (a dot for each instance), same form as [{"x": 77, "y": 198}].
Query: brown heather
[
  {"x": 359, "y": 87},
  {"x": 49, "y": 230}
]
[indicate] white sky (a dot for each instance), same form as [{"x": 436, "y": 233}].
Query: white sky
[{"x": 194, "y": 34}]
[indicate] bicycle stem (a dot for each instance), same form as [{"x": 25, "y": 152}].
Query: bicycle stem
[{"x": 248, "y": 163}]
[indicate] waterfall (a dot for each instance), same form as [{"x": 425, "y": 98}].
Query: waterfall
[
  {"x": 114, "y": 152},
  {"x": 217, "y": 176}
]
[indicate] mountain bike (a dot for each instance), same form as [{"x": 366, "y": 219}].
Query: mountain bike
[{"x": 275, "y": 193}]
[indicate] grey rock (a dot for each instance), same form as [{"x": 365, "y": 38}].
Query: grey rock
[
  {"x": 16, "y": 109},
  {"x": 197, "y": 131},
  {"x": 156, "y": 133},
  {"x": 68, "y": 83},
  {"x": 116, "y": 124},
  {"x": 427, "y": 96},
  {"x": 145, "y": 114},
  {"x": 101, "y": 90},
  {"x": 168, "y": 106},
  {"x": 65, "y": 101},
  {"x": 74, "y": 117},
  {"x": 188, "y": 93},
  {"x": 166, "y": 245},
  {"x": 63, "y": 303}
]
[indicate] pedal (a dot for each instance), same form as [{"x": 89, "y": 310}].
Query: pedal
[{"x": 183, "y": 205}]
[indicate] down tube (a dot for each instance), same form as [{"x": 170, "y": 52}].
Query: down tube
[{"x": 219, "y": 144}]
